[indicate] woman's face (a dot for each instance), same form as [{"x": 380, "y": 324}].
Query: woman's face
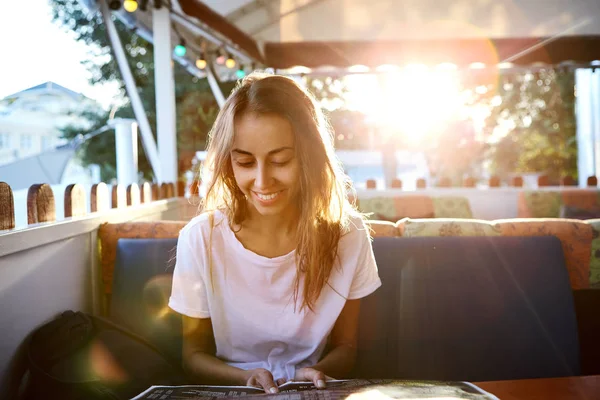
[{"x": 264, "y": 163}]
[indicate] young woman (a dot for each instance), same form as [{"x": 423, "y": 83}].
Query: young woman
[{"x": 268, "y": 278}]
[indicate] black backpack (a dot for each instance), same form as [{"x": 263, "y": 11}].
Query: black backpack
[{"x": 80, "y": 356}]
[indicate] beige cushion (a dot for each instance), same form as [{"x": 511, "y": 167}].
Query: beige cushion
[{"x": 447, "y": 227}]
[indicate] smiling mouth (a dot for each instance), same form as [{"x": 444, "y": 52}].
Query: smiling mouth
[{"x": 267, "y": 196}]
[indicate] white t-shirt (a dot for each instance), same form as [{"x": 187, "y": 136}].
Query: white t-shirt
[{"x": 250, "y": 301}]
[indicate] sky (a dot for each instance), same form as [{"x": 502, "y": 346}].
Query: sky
[{"x": 34, "y": 50}]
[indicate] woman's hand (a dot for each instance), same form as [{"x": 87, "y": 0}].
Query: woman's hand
[
  {"x": 261, "y": 378},
  {"x": 315, "y": 376}
]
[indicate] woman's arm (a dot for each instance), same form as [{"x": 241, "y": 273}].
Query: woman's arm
[
  {"x": 340, "y": 361},
  {"x": 199, "y": 359}
]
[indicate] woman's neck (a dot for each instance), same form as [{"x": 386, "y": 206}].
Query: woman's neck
[{"x": 283, "y": 224}]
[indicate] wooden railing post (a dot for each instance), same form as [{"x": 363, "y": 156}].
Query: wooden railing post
[
  {"x": 517, "y": 181},
  {"x": 171, "y": 190},
  {"x": 7, "y": 207},
  {"x": 469, "y": 182},
  {"x": 146, "y": 193},
  {"x": 133, "y": 195},
  {"x": 371, "y": 184},
  {"x": 568, "y": 181},
  {"x": 119, "y": 196},
  {"x": 494, "y": 181},
  {"x": 592, "y": 181},
  {"x": 180, "y": 188},
  {"x": 75, "y": 201},
  {"x": 164, "y": 190},
  {"x": 543, "y": 181},
  {"x": 444, "y": 182},
  {"x": 156, "y": 191},
  {"x": 40, "y": 204},
  {"x": 421, "y": 183},
  {"x": 100, "y": 201},
  {"x": 396, "y": 183}
]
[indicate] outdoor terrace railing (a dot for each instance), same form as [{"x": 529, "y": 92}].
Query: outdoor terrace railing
[
  {"x": 41, "y": 204},
  {"x": 493, "y": 182}
]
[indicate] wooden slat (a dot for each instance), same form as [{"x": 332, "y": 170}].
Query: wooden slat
[
  {"x": 156, "y": 192},
  {"x": 543, "y": 181},
  {"x": 494, "y": 181},
  {"x": 592, "y": 181},
  {"x": 133, "y": 195},
  {"x": 7, "y": 207},
  {"x": 396, "y": 183},
  {"x": 40, "y": 204},
  {"x": 99, "y": 200},
  {"x": 171, "y": 190},
  {"x": 517, "y": 181},
  {"x": 568, "y": 181},
  {"x": 195, "y": 188},
  {"x": 119, "y": 196},
  {"x": 180, "y": 189},
  {"x": 421, "y": 183},
  {"x": 469, "y": 182},
  {"x": 164, "y": 190},
  {"x": 146, "y": 193},
  {"x": 75, "y": 201},
  {"x": 371, "y": 184},
  {"x": 444, "y": 182}
]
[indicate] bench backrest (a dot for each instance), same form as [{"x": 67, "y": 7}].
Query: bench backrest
[{"x": 456, "y": 308}]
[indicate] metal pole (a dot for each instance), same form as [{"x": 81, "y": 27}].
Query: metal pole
[
  {"x": 165, "y": 94},
  {"x": 126, "y": 149},
  {"x": 214, "y": 84},
  {"x": 136, "y": 103}
]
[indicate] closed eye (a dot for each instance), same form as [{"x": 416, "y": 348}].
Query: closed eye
[{"x": 246, "y": 164}]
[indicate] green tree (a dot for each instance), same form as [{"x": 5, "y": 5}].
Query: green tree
[
  {"x": 532, "y": 127},
  {"x": 196, "y": 107}
]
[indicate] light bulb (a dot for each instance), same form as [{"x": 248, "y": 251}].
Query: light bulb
[
  {"x": 201, "y": 63},
  {"x": 180, "y": 50},
  {"x": 130, "y": 5},
  {"x": 221, "y": 60},
  {"x": 240, "y": 73},
  {"x": 230, "y": 63}
]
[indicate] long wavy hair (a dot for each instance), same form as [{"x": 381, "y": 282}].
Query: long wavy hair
[{"x": 323, "y": 205}]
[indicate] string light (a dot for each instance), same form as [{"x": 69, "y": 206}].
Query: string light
[
  {"x": 180, "y": 49},
  {"x": 230, "y": 63},
  {"x": 240, "y": 73},
  {"x": 201, "y": 62},
  {"x": 130, "y": 5}
]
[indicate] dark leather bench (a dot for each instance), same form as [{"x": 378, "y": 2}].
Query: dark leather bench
[{"x": 457, "y": 308}]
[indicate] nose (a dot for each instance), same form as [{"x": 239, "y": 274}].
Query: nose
[{"x": 262, "y": 179}]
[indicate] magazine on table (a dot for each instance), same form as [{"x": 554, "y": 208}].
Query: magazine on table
[{"x": 355, "y": 389}]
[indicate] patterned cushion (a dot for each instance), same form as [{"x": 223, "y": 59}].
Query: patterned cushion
[
  {"x": 380, "y": 208},
  {"x": 452, "y": 207},
  {"x": 108, "y": 234},
  {"x": 413, "y": 207},
  {"x": 383, "y": 228},
  {"x": 447, "y": 227},
  {"x": 575, "y": 236},
  {"x": 595, "y": 254},
  {"x": 539, "y": 204}
]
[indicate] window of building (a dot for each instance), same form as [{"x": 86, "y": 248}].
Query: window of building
[
  {"x": 26, "y": 142},
  {"x": 4, "y": 140},
  {"x": 46, "y": 142}
]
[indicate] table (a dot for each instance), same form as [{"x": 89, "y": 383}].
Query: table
[{"x": 572, "y": 388}]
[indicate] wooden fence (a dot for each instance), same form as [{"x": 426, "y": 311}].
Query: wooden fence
[
  {"x": 493, "y": 182},
  {"x": 41, "y": 205}
]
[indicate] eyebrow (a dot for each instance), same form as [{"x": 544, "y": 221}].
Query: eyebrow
[{"x": 278, "y": 150}]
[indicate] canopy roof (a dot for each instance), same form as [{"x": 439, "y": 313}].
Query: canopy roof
[{"x": 344, "y": 33}]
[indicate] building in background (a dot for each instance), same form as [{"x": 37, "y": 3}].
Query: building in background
[{"x": 30, "y": 120}]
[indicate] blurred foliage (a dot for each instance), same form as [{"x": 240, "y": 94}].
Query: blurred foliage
[
  {"x": 195, "y": 104},
  {"x": 531, "y": 127}
]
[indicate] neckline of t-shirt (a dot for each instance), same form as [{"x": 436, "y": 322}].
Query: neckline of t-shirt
[{"x": 251, "y": 255}]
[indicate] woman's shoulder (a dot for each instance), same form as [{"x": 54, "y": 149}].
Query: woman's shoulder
[
  {"x": 202, "y": 224},
  {"x": 356, "y": 229}
]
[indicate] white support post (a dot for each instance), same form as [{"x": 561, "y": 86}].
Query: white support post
[
  {"x": 127, "y": 150},
  {"x": 136, "y": 103},
  {"x": 214, "y": 84},
  {"x": 165, "y": 94},
  {"x": 587, "y": 112}
]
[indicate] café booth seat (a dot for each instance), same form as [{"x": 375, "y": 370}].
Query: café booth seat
[{"x": 459, "y": 308}]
